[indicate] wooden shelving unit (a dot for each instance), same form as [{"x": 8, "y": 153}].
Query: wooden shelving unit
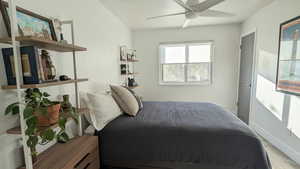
[
  {"x": 42, "y": 85},
  {"x": 15, "y": 42},
  {"x": 129, "y": 61},
  {"x": 45, "y": 44}
]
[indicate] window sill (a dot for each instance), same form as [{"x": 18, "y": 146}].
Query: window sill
[{"x": 186, "y": 84}]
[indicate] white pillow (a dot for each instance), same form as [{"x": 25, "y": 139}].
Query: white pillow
[
  {"x": 84, "y": 103},
  {"x": 103, "y": 110}
]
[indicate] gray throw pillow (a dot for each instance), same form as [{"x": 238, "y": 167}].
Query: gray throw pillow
[
  {"x": 138, "y": 98},
  {"x": 125, "y": 99}
]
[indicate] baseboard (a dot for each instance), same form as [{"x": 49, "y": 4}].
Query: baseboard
[{"x": 286, "y": 149}]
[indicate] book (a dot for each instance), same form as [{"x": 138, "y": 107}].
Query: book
[{"x": 29, "y": 64}]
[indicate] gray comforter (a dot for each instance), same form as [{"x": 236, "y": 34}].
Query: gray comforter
[{"x": 198, "y": 133}]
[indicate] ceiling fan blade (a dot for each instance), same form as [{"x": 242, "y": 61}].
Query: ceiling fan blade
[
  {"x": 213, "y": 13},
  {"x": 186, "y": 23},
  {"x": 182, "y": 4},
  {"x": 206, "y": 5},
  {"x": 192, "y": 2},
  {"x": 174, "y": 14}
]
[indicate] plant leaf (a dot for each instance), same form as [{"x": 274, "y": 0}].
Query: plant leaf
[
  {"x": 45, "y": 94},
  {"x": 62, "y": 123},
  {"x": 47, "y": 136},
  {"x": 32, "y": 141},
  {"x": 32, "y": 122},
  {"x": 28, "y": 112},
  {"x": 10, "y": 108},
  {"x": 30, "y": 131},
  {"x": 63, "y": 137},
  {"x": 15, "y": 110}
]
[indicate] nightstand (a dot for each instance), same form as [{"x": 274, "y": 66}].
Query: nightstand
[{"x": 78, "y": 153}]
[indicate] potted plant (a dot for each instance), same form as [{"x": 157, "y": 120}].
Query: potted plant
[{"x": 39, "y": 112}]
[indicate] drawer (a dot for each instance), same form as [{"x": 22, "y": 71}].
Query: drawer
[{"x": 89, "y": 161}]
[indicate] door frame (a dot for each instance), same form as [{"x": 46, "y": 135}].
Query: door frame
[{"x": 254, "y": 70}]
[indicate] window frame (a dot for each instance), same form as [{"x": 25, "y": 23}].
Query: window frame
[{"x": 161, "y": 48}]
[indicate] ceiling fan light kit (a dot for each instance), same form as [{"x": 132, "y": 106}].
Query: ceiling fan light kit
[{"x": 194, "y": 9}]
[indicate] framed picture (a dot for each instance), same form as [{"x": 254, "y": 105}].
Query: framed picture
[
  {"x": 123, "y": 53},
  {"x": 288, "y": 68},
  {"x": 29, "y": 65},
  {"x": 29, "y": 23}
]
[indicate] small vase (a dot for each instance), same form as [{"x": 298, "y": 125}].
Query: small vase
[{"x": 66, "y": 105}]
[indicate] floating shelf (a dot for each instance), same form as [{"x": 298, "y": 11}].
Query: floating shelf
[
  {"x": 55, "y": 83},
  {"x": 130, "y": 60},
  {"x": 45, "y": 44},
  {"x": 17, "y": 130},
  {"x": 130, "y": 74},
  {"x": 133, "y": 87}
]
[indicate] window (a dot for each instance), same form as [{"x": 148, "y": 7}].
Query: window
[{"x": 185, "y": 63}]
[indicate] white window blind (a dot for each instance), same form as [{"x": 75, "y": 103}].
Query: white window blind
[{"x": 185, "y": 63}]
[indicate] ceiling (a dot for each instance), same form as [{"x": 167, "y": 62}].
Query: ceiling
[{"x": 134, "y": 12}]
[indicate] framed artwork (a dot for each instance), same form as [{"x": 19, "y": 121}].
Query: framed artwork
[
  {"x": 123, "y": 53},
  {"x": 29, "y": 65},
  {"x": 288, "y": 68},
  {"x": 29, "y": 23}
]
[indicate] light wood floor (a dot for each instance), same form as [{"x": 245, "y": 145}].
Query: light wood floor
[{"x": 278, "y": 159}]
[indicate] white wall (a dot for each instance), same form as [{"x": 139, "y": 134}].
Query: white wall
[
  {"x": 95, "y": 28},
  {"x": 274, "y": 128},
  {"x": 225, "y": 64}
]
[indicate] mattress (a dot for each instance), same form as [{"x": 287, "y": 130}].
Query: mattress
[{"x": 201, "y": 134}]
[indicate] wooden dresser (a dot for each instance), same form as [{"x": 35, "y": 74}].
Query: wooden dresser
[{"x": 79, "y": 153}]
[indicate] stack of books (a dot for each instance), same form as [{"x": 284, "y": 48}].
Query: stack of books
[{"x": 34, "y": 67}]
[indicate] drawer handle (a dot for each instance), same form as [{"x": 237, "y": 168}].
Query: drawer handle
[
  {"x": 87, "y": 166},
  {"x": 82, "y": 160}
]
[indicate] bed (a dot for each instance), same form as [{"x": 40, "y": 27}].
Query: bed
[{"x": 177, "y": 135}]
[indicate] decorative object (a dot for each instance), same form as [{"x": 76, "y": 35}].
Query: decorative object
[
  {"x": 49, "y": 68},
  {"x": 57, "y": 28},
  {"x": 131, "y": 54},
  {"x": 123, "y": 69},
  {"x": 30, "y": 65},
  {"x": 62, "y": 40},
  {"x": 132, "y": 82},
  {"x": 123, "y": 53},
  {"x": 29, "y": 23},
  {"x": 288, "y": 70},
  {"x": 40, "y": 111},
  {"x": 64, "y": 78}
]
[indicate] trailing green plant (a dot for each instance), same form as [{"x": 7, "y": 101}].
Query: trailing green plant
[{"x": 36, "y": 104}]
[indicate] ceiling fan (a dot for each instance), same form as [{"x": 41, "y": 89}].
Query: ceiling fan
[{"x": 195, "y": 9}]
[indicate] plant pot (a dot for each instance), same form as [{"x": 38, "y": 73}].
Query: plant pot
[{"x": 51, "y": 118}]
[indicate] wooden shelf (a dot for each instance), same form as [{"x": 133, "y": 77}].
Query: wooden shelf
[
  {"x": 130, "y": 60},
  {"x": 133, "y": 87},
  {"x": 17, "y": 130},
  {"x": 79, "y": 152},
  {"x": 55, "y": 83},
  {"x": 45, "y": 44},
  {"x": 130, "y": 74}
]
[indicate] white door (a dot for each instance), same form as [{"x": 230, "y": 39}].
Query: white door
[{"x": 245, "y": 82}]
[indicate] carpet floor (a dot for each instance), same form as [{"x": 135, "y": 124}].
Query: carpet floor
[{"x": 278, "y": 159}]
